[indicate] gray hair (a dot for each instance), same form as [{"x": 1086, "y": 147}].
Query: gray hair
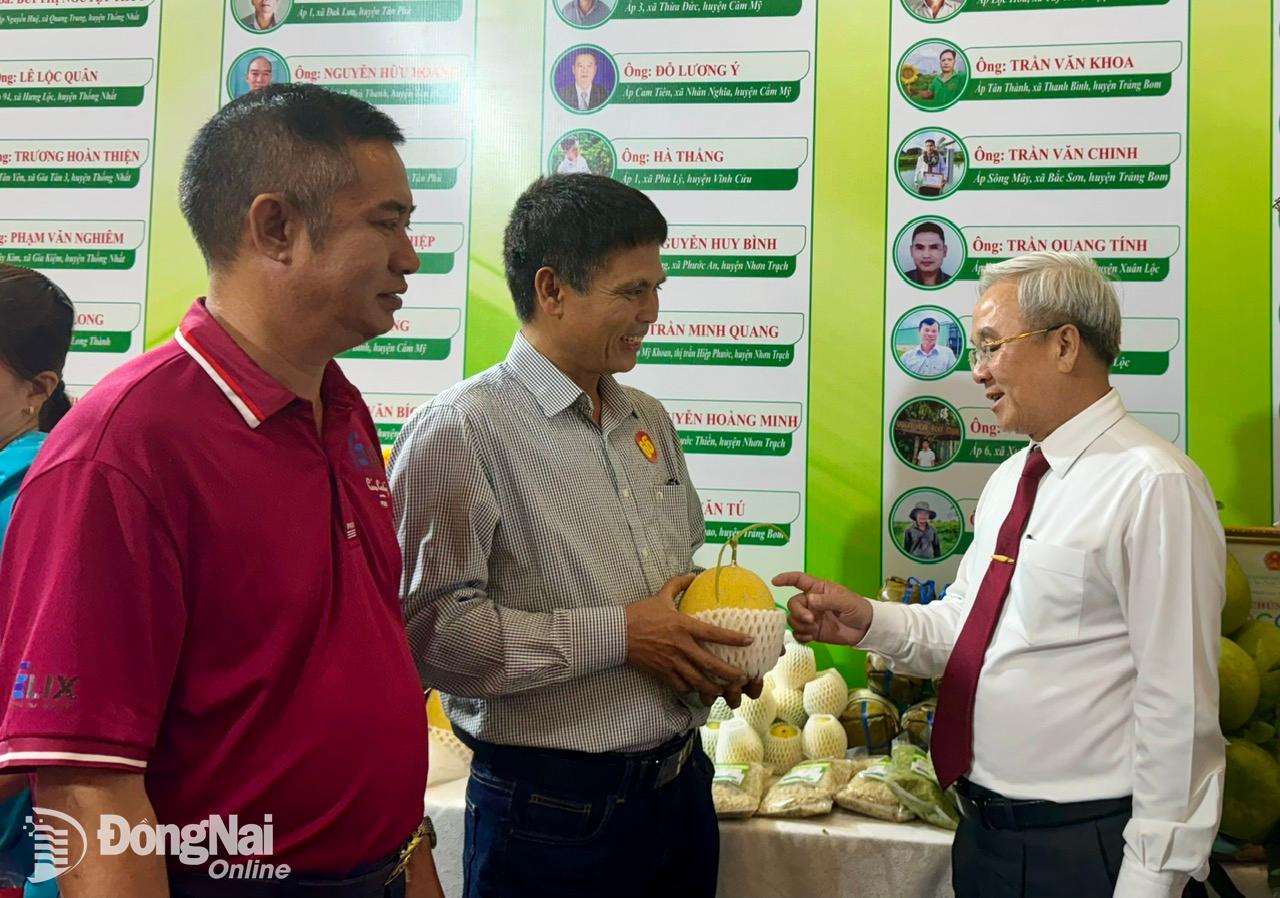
[{"x": 1063, "y": 288}]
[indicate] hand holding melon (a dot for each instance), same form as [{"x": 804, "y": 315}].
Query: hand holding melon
[
  {"x": 735, "y": 598},
  {"x": 674, "y": 646}
]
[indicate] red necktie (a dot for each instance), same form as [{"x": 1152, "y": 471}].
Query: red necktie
[{"x": 952, "y": 741}]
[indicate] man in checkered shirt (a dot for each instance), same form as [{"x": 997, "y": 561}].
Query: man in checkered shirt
[{"x": 548, "y": 525}]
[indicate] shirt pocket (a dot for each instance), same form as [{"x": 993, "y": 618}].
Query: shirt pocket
[
  {"x": 666, "y": 510},
  {"x": 1050, "y": 592}
]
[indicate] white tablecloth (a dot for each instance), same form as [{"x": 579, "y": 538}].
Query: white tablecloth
[{"x": 839, "y": 855}]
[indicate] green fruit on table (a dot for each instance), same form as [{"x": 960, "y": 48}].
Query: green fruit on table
[
  {"x": 1235, "y": 611},
  {"x": 1251, "y": 799},
  {"x": 1261, "y": 640},
  {"x": 1238, "y": 686}
]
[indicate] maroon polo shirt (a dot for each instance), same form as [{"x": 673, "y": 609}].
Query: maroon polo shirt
[{"x": 198, "y": 586}]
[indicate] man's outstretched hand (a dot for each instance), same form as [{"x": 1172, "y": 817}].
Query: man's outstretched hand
[{"x": 825, "y": 611}]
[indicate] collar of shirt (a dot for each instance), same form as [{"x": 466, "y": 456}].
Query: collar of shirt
[
  {"x": 1066, "y": 444},
  {"x": 555, "y": 392},
  {"x": 254, "y": 393}
]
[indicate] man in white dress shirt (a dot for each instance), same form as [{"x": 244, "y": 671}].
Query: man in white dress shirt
[{"x": 1079, "y": 642}]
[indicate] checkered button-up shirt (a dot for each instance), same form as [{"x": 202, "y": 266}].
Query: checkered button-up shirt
[{"x": 527, "y": 529}]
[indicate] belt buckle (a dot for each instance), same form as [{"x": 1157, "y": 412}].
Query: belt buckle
[{"x": 670, "y": 766}]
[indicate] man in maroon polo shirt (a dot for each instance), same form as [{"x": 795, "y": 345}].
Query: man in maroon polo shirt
[{"x": 199, "y": 592}]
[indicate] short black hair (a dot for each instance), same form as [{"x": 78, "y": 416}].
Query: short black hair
[
  {"x": 929, "y": 227},
  {"x": 568, "y": 143},
  {"x": 929, "y": 322},
  {"x": 572, "y": 224},
  {"x": 290, "y": 139},
  {"x": 36, "y": 336},
  {"x": 946, "y": 51},
  {"x": 929, "y": 140}
]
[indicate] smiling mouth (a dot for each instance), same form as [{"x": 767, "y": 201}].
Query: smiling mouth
[{"x": 633, "y": 343}]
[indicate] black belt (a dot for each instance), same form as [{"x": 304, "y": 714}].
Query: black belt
[
  {"x": 617, "y": 773},
  {"x": 993, "y": 811},
  {"x": 373, "y": 884}
]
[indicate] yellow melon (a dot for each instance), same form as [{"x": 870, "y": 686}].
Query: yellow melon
[
  {"x": 738, "y": 588},
  {"x": 735, "y": 598}
]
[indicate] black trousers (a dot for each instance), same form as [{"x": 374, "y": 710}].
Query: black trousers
[{"x": 1080, "y": 860}]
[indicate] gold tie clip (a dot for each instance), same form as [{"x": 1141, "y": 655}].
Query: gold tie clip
[{"x": 1003, "y": 559}]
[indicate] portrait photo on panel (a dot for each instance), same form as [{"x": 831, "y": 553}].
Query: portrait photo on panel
[
  {"x": 926, "y": 525},
  {"x": 928, "y": 252},
  {"x": 582, "y": 152},
  {"x": 261, "y": 15},
  {"x": 584, "y": 78},
  {"x": 928, "y": 342},
  {"x": 255, "y": 70},
  {"x": 931, "y": 163},
  {"x": 932, "y": 75},
  {"x": 927, "y": 433}
]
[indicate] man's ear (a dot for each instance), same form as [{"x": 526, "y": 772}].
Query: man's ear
[
  {"x": 1068, "y": 346},
  {"x": 550, "y": 292},
  {"x": 275, "y": 227}
]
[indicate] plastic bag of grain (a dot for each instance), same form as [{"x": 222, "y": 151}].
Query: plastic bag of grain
[
  {"x": 808, "y": 789},
  {"x": 913, "y": 782},
  {"x": 868, "y": 793},
  {"x": 736, "y": 789}
]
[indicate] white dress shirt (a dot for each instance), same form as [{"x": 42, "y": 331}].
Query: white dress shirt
[{"x": 1101, "y": 680}]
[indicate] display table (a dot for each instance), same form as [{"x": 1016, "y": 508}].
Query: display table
[{"x": 839, "y": 855}]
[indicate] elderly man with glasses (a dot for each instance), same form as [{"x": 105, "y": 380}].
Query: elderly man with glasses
[{"x": 1078, "y": 712}]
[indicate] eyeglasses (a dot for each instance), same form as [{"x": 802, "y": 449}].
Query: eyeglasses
[{"x": 979, "y": 356}]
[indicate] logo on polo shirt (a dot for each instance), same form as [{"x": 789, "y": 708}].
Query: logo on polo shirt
[
  {"x": 29, "y": 687},
  {"x": 379, "y": 487},
  {"x": 52, "y": 833},
  {"x": 359, "y": 453}
]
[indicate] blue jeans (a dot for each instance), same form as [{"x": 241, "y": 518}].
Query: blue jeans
[{"x": 550, "y": 835}]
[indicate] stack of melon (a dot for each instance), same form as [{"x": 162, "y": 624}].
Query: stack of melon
[{"x": 796, "y": 717}]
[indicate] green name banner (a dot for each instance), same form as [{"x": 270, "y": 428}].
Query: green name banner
[
  {"x": 388, "y": 432},
  {"x": 1149, "y": 363},
  {"x": 402, "y": 349},
  {"x": 101, "y": 341},
  {"x": 84, "y": 259},
  {"x": 435, "y": 263},
  {"x": 74, "y": 18},
  {"x": 730, "y": 266},
  {"x": 25, "y": 97},
  {"x": 719, "y": 442},
  {"x": 1021, "y": 5},
  {"x": 1138, "y": 177},
  {"x": 1140, "y": 270},
  {"x": 49, "y": 178},
  {"x": 988, "y": 452},
  {"x": 710, "y": 92},
  {"x": 700, "y": 9},
  {"x": 439, "y": 94},
  {"x": 1069, "y": 87},
  {"x": 335, "y": 12},
  {"x": 716, "y": 354},
  {"x": 432, "y": 178},
  {"x": 709, "y": 179},
  {"x": 718, "y": 532}
]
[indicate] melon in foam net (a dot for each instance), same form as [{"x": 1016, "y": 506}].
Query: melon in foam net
[{"x": 735, "y": 598}]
